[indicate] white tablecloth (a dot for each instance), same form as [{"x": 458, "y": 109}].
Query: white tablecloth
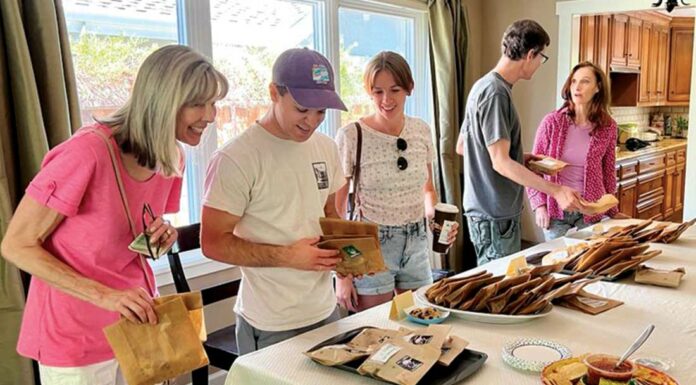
[{"x": 673, "y": 311}]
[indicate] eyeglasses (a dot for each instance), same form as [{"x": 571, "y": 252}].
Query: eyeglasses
[
  {"x": 401, "y": 162},
  {"x": 544, "y": 58},
  {"x": 147, "y": 211}
]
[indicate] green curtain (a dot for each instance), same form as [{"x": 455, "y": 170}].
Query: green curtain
[
  {"x": 38, "y": 110},
  {"x": 448, "y": 50}
]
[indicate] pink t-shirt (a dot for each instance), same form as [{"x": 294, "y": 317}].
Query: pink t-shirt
[
  {"x": 77, "y": 180},
  {"x": 575, "y": 154}
]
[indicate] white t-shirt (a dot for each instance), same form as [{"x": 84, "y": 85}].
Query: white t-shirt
[
  {"x": 387, "y": 195},
  {"x": 279, "y": 189}
]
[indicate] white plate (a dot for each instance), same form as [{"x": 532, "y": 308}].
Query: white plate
[
  {"x": 533, "y": 354},
  {"x": 481, "y": 317}
]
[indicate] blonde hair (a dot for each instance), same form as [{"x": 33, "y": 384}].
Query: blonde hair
[
  {"x": 171, "y": 77},
  {"x": 392, "y": 62}
]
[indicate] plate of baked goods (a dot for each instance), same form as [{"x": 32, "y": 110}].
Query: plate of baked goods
[
  {"x": 575, "y": 371},
  {"x": 483, "y": 297}
]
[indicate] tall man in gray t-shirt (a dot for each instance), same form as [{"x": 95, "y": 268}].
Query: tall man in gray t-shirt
[{"x": 490, "y": 141}]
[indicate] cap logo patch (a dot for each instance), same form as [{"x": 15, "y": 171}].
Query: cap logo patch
[{"x": 320, "y": 74}]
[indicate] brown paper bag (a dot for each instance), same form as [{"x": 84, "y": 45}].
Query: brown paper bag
[
  {"x": 149, "y": 354},
  {"x": 358, "y": 243},
  {"x": 547, "y": 166},
  {"x": 659, "y": 277},
  {"x": 589, "y": 303},
  {"x": 194, "y": 304},
  {"x": 360, "y": 255}
]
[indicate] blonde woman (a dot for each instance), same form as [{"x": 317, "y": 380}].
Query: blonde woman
[
  {"x": 71, "y": 233},
  {"x": 395, "y": 184}
]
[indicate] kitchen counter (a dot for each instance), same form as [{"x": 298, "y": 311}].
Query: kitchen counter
[{"x": 655, "y": 147}]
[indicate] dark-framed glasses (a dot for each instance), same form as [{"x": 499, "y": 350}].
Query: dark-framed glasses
[
  {"x": 544, "y": 58},
  {"x": 147, "y": 212},
  {"x": 401, "y": 162}
]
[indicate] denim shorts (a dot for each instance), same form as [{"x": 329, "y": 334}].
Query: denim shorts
[
  {"x": 494, "y": 239},
  {"x": 559, "y": 227},
  {"x": 406, "y": 253}
]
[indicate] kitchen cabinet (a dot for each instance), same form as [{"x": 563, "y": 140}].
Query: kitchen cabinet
[
  {"x": 682, "y": 41},
  {"x": 650, "y": 184},
  {"x": 594, "y": 35},
  {"x": 625, "y": 42},
  {"x": 655, "y": 45},
  {"x": 648, "y": 80},
  {"x": 661, "y": 39}
]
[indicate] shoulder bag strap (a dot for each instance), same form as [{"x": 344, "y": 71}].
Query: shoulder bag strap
[
  {"x": 353, "y": 215},
  {"x": 124, "y": 200}
]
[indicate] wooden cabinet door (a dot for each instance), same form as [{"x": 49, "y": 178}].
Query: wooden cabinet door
[
  {"x": 680, "y": 64},
  {"x": 627, "y": 197},
  {"x": 679, "y": 185},
  {"x": 588, "y": 39},
  {"x": 619, "y": 25},
  {"x": 647, "y": 73},
  {"x": 669, "y": 191},
  {"x": 633, "y": 42},
  {"x": 661, "y": 35},
  {"x": 603, "y": 25}
]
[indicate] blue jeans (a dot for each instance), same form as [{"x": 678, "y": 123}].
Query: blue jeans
[
  {"x": 559, "y": 227},
  {"x": 494, "y": 239},
  {"x": 251, "y": 339},
  {"x": 406, "y": 253}
]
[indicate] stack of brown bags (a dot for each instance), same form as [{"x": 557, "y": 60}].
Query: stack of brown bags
[
  {"x": 526, "y": 294},
  {"x": 401, "y": 356},
  {"x": 661, "y": 232},
  {"x": 611, "y": 257}
]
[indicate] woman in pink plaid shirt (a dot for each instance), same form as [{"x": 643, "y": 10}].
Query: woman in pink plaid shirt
[{"x": 582, "y": 134}]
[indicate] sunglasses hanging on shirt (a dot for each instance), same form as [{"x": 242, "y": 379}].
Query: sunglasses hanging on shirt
[{"x": 401, "y": 162}]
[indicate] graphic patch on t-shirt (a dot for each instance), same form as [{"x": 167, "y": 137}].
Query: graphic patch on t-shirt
[{"x": 321, "y": 175}]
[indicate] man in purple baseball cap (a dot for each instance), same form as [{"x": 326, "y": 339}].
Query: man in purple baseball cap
[
  {"x": 264, "y": 194},
  {"x": 308, "y": 77}
]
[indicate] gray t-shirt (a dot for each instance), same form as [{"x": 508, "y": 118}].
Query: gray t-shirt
[{"x": 489, "y": 117}]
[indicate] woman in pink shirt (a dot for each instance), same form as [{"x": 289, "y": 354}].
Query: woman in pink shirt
[
  {"x": 71, "y": 232},
  {"x": 582, "y": 134}
]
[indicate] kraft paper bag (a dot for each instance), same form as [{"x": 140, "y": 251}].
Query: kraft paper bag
[
  {"x": 150, "y": 354},
  {"x": 358, "y": 243},
  {"x": 194, "y": 304}
]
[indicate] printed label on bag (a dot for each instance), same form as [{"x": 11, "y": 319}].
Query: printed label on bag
[
  {"x": 593, "y": 303},
  {"x": 409, "y": 363},
  {"x": 444, "y": 233},
  {"x": 385, "y": 353},
  {"x": 351, "y": 251}
]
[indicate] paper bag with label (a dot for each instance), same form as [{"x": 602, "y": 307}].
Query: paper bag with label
[
  {"x": 150, "y": 354},
  {"x": 589, "y": 303},
  {"x": 659, "y": 277},
  {"x": 358, "y": 244},
  {"x": 400, "y": 362},
  {"x": 547, "y": 166}
]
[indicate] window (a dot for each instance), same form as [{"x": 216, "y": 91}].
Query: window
[{"x": 110, "y": 38}]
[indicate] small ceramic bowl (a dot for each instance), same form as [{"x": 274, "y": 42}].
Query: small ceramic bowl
[
  {"x": 602, "y": 366},
  {"x": 426, "y": 321}
]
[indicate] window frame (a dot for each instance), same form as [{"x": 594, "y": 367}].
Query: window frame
[{"x": 194, "y": 28}]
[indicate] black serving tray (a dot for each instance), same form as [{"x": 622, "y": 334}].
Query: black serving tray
[
  {"x": 466, "y": 364},
  {"x": 535, "y": 259}
]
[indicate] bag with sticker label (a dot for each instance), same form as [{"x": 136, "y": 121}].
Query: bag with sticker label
[
  {"x": 400, "y": 362},
  {"x": 358, "y": 243}
]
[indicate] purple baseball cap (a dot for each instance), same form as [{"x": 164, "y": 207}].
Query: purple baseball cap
[{"x": 309, "y": 78}]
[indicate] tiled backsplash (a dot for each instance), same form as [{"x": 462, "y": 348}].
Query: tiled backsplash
[{"x": 641, "y": 115}]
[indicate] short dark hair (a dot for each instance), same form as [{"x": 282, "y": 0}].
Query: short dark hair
[{"x": 523, "y": 36}]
